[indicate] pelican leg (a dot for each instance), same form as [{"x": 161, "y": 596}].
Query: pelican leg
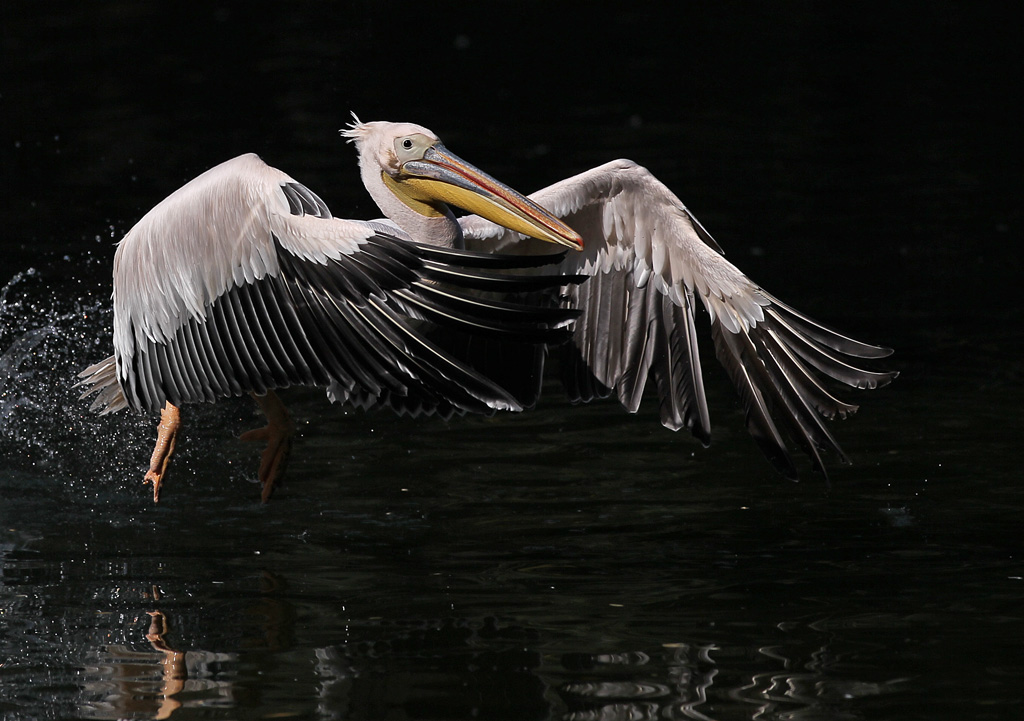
[
  {"x": 278, "y": 435},
  {"x": 167, "y": 434}
]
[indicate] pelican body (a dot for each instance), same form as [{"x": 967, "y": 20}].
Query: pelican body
[{"x": 243, "y": 281}]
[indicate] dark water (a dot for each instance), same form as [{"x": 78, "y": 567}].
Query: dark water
[{"x": 568, "y": 563}]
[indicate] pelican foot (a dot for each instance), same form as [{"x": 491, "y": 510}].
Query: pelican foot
[
  {"x": 278, "y": 435},
  {"x": 167, "y": 434}
]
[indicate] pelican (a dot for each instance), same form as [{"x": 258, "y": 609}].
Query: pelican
[
  {"x": 644, "y": 256},
  {"x": 243, "y": 282}
]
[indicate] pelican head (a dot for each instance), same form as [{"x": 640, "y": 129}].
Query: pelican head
[{"x": 409, "y": 163}]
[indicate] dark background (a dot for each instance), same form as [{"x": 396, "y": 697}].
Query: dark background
[{"x": 862, "y": 162}]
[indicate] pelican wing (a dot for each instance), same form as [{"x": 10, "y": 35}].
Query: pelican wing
[
  {"x": 242, "y": 281},
  {"x": 648, "y": 258}
]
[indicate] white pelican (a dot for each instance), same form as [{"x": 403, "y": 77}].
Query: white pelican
[
  {"x": 646, "y": 257},
  {"x": 242, "y": 281}
]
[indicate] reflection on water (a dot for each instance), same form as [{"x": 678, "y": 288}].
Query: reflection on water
[
  {"x": 140, "y": 666},
  {"x": 128, "y": 683}
]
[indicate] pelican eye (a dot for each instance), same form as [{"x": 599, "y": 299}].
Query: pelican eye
[{"x": 412, "y": 147}]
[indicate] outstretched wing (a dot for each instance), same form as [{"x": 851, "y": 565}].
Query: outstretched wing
[
  {"x": 648, "y": 259},
  {"x": 242, "y": 281}
]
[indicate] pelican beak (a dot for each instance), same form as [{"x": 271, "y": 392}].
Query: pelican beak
[{"x": 441, "y": 176}]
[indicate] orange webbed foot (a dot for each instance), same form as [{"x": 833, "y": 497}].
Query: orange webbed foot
[
  {"x": 167, "y": 435},
  {"x": 278, "y": 435}
]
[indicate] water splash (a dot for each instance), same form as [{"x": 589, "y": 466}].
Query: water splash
[
  {"x": 53, "y": 322},
  {"x": 10, "y": 376}
]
